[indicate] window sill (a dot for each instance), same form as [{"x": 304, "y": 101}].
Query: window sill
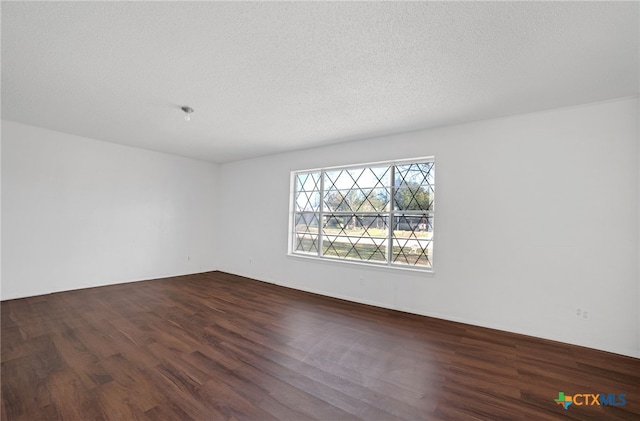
[{"x": 355, "y": 264}]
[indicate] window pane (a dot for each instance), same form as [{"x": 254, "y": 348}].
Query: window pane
[
  {"x": 308, "y": 181},
  {"x": 414, "y": 187},
  {"x": 366, "y": 178},
  {"x": 359, "y": 200},
  {"x": 413, "y": 252},
  {"x": 357, "y": 248},
  {"x": 374, "y": 200},
  {"x": 337, "y": 179},
  {"x": 306, "y": 222},
  {"x": 413, "y": 225},
  {"x": 356, "y": 225},
  {"x": 308, "y": 201},
  {"x": 413, "y": 197},
  {"x": 307, "y": 243},
  {"x": 412, "y": 239},
  {"x": 417, "y": 173},
  {"x": 343, "y": 200}
]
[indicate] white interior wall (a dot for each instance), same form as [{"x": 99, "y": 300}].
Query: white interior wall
[
  {"x": 79, "y": 213},
  {"x": 536, "y": 215}
]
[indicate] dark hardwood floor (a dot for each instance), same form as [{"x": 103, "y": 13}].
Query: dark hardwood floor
[{"x": 220, "y": 347}]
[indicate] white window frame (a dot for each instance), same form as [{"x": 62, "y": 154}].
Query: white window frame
[{"x": 390, "y": 212}]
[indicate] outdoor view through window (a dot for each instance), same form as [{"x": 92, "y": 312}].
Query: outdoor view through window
[{"x": 379, "y": 213}]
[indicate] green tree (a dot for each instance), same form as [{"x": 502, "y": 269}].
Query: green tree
[
  {"x": 353, "y": 201},
  {"x": 337, "y": 201},
  {"x": 412, "y": 196},
  {"x": 372, "y": 201}
]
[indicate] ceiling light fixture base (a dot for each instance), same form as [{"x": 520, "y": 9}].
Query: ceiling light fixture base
[{"x": 187, "y": 112}]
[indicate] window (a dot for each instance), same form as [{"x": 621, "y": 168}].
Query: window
[{"x": 378, "y": 213}]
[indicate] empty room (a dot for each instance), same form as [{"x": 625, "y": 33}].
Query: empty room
[{"x": 320, "y": 210}]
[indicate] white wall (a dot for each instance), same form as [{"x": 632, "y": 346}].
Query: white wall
[
  {"x": 536, "y": 215},
  {"x": 78, "y": 213}
]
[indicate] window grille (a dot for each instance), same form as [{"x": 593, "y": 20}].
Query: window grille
[{"x": 378, "y": 213}]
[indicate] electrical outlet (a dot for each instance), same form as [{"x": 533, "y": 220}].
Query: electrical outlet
[{"x": 582, "y": 314}]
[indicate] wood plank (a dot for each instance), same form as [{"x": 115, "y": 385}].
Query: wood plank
[{"x": 217, "y": 346}]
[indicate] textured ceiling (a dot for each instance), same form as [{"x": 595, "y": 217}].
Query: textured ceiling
[{"x": 273, "y": 76}]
